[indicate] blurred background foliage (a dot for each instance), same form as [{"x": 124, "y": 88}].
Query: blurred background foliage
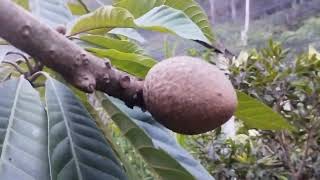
[{"x": 292, "y": 89}]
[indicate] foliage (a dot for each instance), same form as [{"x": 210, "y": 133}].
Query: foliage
[
  {"x": 291, "y": 88},
  {"x": 108, "y": 17},
  {"x": 254, "y": 113},
  {"x": 154, "y": 140},
  {"x": 24, "y": 140}
]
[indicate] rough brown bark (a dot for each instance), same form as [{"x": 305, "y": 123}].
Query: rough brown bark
[{"x": 78, "y": 67}]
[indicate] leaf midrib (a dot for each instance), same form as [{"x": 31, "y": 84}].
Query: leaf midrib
[
  {"x": 8, "y": 130},
  {"x": 68, "y": 132}
]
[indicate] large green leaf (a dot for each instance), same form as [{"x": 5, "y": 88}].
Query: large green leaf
[
  {"x": 135, "y": 64},
  {"x": 107, "y": 131},
  {"x": 23, "y": 132},
  {"x": 160, "y": 19},
  {"x": 77, "y": 9},
  {"x": 167, "y": 19},
  {"x": 95, "y": 111},
  {"x": 103, "y": 20},
  {"x": 154, "y": 142},
  {"x": 5, "y": 72},
  {"x": 255, "y": 114},
  {"x": 190, "y": 7},
  {"x": 23, "y": 3},
  {"x": 128, "y": 33},
  {"x": 77, "y": 149},
  {"x": 51, "y": 12},
  {"x": 108, "y": 42},
  {"x": 194, "y": 11},
  {"x": 138, "y": 8}
]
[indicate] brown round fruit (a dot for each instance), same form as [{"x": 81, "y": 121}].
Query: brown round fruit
[{"x": 188, "y": 95}]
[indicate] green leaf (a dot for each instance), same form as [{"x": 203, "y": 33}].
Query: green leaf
[
  {"x": 190, "y": 7},
  {"x": 77, "y": 149},
  {"x": 94, "y": 111},
  {"x": 169, "y": 20},
  {"x": 182, "y": 140},
  {"x": 194, "y": 11},
  {"x": 23, "y": 3},
  {"x": 52, "y": 13},
  {"x": 138, "y": 8},
  {"x": 112, "y": 43},
  {"x": 102, "y": 20},
  {"x": 161, "y": 19},
  {"x": 77, "y": 9},
  {"x": 134, "y": 64},
  {"x": 131, "y": 172},
  {"x": 5, "y": 72},
  {"x": 128, "y": 33},
  {"x": 23, "y": 132},
  {"x": 255, "y": 114},
  {"x": 5, "y": 49},
  {"x": 3, "y": 42},
  {"x": 155, "y": 143}
]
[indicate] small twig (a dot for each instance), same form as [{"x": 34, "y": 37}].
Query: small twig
[
  {"x": 286, "y": 152},
  {"x": 35, "y": 76},
  {"x": 37, "y": 85},
  {"x": 306, "y": 152},
  {"x": 84, "y": 6},
  {"x": 228, "y": 54},
  {"x": 38, "y": 67},
  {"x": 16, "y": 66},
  {"x": 74, "y": 38},
  {"x": 24, "y": 57}
]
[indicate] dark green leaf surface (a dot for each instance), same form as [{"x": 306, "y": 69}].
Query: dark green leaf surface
[
  {"x": 128, "y": 33},
  {"x": 23, "y": 3},
  {"x": 77, "y": 9},
  {"x": 170, "y": 20},
  {"x": 139, "y": 8},
  {"x": 134, "y": 64},
  {"x": 255, "y": 114},
  {"x": 190, "y": 7},
  {"x": 112, "y": 43},
  {"x": 160, "y": 19},
  {"x": 194, "y": 11},
  {"x": 77, "y": 149},
  {"x": 23, "y": 133},
  {"x": 103, "y": 20},
  {"x": 154, "y": 142}
]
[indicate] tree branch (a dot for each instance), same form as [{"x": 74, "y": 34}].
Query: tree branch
[{"x": 78, "y": 67}]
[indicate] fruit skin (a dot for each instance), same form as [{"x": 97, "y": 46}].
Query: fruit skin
[{"x": 189, "y": 95}]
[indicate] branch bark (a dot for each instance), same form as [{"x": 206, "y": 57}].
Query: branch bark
[{"x": 78, "y": 67}]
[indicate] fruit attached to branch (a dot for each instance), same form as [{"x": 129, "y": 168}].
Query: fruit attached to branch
[
  {"x": 185, "y": 94},
  {"x": 188, "y": 95}
]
